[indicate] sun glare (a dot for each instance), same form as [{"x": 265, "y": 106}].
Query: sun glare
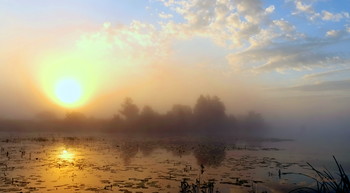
[
  {"x": 69, "y": 79},
  {"x": 68, "y": 91},
  {"x": 66, "y": 155}
]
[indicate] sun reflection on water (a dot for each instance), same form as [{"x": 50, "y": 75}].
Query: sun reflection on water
[{"x": 66, "y": 155}]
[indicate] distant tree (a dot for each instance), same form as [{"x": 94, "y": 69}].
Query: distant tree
[
  {"x": 209, "y": 113},
  {"x": 117, "y": 120},
  {"x": 208, "y": 117},
  {"x": 208, "y": 107},
  {"x": 46, "y": 116},
  {"x": 129, "y": 110},
  {"x": 149, "y": 119},
  {"x": 232, "y": 122},
  {"x": 253, "y": 123},
  {"x": 117, "y": 123},
  {"x": 75, "y": 120},
  {"x": 180, "y": 117},
  {"x": 130, "y": 113},
  {"x": 181, "y": 111},
  {"x": 75, "y": 117}
]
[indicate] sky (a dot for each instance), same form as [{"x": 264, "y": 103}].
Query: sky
[{"x": 275, "y": 57}]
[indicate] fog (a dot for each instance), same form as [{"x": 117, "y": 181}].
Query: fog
[
  {"x": 296, "y": 117},
  {"x": 174, "y": 96},
  {"x": 296, "y": 82}
]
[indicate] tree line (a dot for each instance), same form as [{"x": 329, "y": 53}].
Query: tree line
[{"x": 207, "y": 117}]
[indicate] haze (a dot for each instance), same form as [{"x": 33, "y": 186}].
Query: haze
[{"x": 289, "y": 60}]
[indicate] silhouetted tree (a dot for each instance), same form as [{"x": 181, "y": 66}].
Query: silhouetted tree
[
  {"x": 253, "y": 123},
  {"x": 117, "y": 119},
  {"x": 209, "y": 114},
  {"x": 129, "y": 110},
  {"x": 232, "y": 124},
  {"x": 149, "y": 120},
  {"x": 117, "y": 123},
  {"x": 180, "y": 118},
  {"x": 75, "y": 119},
  {"x": 208, "y": 117},
  {"x": 46, "y": 116}
]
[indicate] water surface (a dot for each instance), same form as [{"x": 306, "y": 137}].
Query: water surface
[{"x": 58, "y": 163}]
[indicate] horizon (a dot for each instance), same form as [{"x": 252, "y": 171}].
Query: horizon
[{"x": 278, "y": 58}]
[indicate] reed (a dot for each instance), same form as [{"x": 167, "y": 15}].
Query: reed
[{"x": 326, "y": 182}]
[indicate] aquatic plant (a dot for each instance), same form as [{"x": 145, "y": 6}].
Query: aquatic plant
[
  {"x": 327, "y": 182},
  {"x": 40, "y": 139},
  {"x": 207, "y": 187}
]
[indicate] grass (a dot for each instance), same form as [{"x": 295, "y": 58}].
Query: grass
[
  {"x": 198, "y": 187},
  {"x": 326, "y": 182}
]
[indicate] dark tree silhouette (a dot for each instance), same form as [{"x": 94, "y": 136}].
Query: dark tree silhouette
[
  {"x": 75, "y": 120},
  {"x": 149, "y": 119},
  {"x": 207, "y": 118},
  {"x": 129, "y": 110},
  {"x": 117, "y": 122},
  {"x": 253, "y": 124},
  {"x": 46, "y": 116},
  {"x": 75, "y": 117},
  {"x": 209, "y": 114},
  {"x": 130, "y": 113},
  {"x": 254, "y": 120},
  {"x": 180, "y": 118}
]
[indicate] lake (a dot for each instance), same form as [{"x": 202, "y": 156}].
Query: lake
[{"x": 72, "y": 163}]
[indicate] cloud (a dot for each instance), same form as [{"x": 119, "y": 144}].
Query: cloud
[
  {"x": 229, "y": 23},
  {"x": 328, "y": 16},
  {"x": 301, "y": 7},
  {"x": 257, "y": 43},
  {"x": 165, "y": 16},
  {"x": 137, "y": 40},
  {"x": 308, "y": 10},
  {"x": 283, "y": 48},
  {"x": 270, "y": 9},
  {"x": 339, "y": 85},
  {"x": 337, "y": 33},
  {"x": 333, "y": 33},
  {"x": 327, "y": 74},
  {"x": 299, "y": 55}
]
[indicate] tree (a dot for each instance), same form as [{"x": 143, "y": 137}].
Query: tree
[
  {"x": 254, "y": 123},
  {"x": 46, "y": 116},
  {"x": 180, "y": 117},
  {"x": 149, "y": 119},
  {"x": 75, "y": 119},
  {"x": 116, "y": 123},
  {"x": 254, "y": 120},
  {"x": 209, "y": 113},
  {"x": 130, "y": 113},
  {"x": 129, "y": 110}
]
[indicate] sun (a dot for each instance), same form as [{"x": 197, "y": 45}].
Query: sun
[
  {"x": 69, "y": 78},
  {"x": 68, "y": 91}
]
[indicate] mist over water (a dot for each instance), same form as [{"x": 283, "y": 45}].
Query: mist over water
[
  {"x": 181, "y": 96},
  {"x": 145, "y": 150}
]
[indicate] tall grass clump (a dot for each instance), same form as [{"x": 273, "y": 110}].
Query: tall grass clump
[{"x": 326, "y": 182}]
